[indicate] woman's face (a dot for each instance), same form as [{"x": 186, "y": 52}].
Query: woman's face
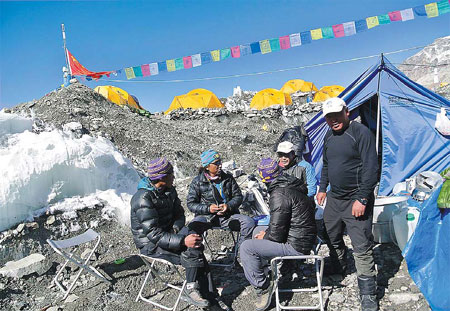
[{"x": 214, "y": 168}]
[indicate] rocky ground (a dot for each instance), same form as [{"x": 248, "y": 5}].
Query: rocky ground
[{"x": 238, "y": 137}]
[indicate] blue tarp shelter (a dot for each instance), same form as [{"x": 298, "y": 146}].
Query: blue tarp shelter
[{"x": 408, "y": 141}]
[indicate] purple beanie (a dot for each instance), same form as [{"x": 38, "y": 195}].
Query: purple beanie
[
  {"x": 159, "y": 168},
  {"x": 268, "y": 170}
]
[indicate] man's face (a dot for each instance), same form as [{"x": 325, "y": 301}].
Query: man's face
[
  {"x": 285, "y": 158},
  {"x": 167, "y": 181},
  {"x": 338, "y": 121},
  {"x": 215, "y": 167}
]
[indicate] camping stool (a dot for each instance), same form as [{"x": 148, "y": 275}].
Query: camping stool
[
  {"x": 61, "y": 246},
  {"x": 318, "y": 263},
  {"x": 155, "y": 275},
  {"x": 234, "y": 234}
]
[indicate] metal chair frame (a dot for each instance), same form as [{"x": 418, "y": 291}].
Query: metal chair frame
[
  {"x": 59, "y": 247},
  {"x": 215, "y": 253},
  {"x": 319, "y": 265},
  {"x": 154, "y": 275}
]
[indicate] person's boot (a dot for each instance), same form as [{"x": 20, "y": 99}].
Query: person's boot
[
  {"x": 264, "y": 296},
  {"x": 194, "y": 297},
  {"x": 368, "y": 293}
]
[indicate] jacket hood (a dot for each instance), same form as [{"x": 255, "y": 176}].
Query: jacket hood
[
  {"x": 145, "y": 183},
  {"x": 223, "y": 176},
  {"x": 287, "y": 181}
]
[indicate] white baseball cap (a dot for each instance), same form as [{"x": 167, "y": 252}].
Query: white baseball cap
[
  {"x": 334, "y": 104},
  {"x": 285, "y": 147}
]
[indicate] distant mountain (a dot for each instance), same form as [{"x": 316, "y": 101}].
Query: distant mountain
[{"x": 420, "y": 67}]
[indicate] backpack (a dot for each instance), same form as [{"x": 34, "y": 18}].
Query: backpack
[{"x": 297, "y": 136}]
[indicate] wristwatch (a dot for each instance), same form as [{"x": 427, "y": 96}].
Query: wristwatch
[{"x": 363, "y": 201}]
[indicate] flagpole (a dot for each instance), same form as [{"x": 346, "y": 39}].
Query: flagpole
[
  {"x": 65, "y": 49},
  {"x": 379, "y": 106}
]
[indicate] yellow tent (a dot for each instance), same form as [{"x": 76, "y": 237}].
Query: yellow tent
[
  {"x": 296, "y": 85},
  {"x": 320, "y": 96},
  {"x": 332, "y": 90},
  {"x": 117, "y": 96},
  {"x": 195, "y": 99},
  {"x": 270, "y": 97}
]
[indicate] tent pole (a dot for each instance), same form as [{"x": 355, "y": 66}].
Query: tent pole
[
  {"x": 378, "y": 106},
  {"x": 65, "y": 49}
]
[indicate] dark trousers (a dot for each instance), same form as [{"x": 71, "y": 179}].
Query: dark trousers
[{"x": 338, "y": 216}]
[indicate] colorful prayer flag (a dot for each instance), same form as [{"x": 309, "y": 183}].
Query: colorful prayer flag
[
  {"x": 145, "y": 69},
  {"x": 395, "y": 16},
  {"x": 349, "y": 28},
  {"x": 206, "y": 57},
  {"x": 305, "y": 37},
  {"x": 137, "y": 71},
  {"x": 235, "y": 52},
  {"x": 196, "y": 60},
  {"x": 361, "y": 25},
  {"x": 225, "y": 53},
  {"x": 338, "y": 30},
  {"x": 372, "y": 21},
  {"x": 215, "y": 55},
  {"x": 153, "y": 69},
  {"x": 316, "y": 34},
  {"x": 255, "y": 47},
  {"x": 443, "y": 7},
  {"x": 420, "y": 10},
  {"x": 245, "y": 49},
  {"x": 274, "y": 44},
  {"x": 265, "y": 46},
  {"x": 170, "y": 65},
  {"x": 179, "y": 63},
  {"x": 187, "y": 62},
  {"x": 295, "y": 40},
  {"x": 129, "y": 72},
  {"x": 162, "y": 66},
  {"x": 285, "y": 43},
  {"x": 327, "y": 32},
  {"x": 407, "y": 15},
  {"x": 384, "y": 19},
  {"x": 432, "y": 9}
]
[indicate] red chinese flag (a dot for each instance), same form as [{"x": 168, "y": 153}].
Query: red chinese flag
[
  {"x": 76, "y": 69},
  {"x": 338, "y": 30}
]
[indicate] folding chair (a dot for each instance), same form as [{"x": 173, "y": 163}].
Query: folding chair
[
  {"x": 61, "y": 247},
  {"x": 318, "y": 263},
  {"x": 155, "y": 275},
  {"x": 234, "y": 234}
]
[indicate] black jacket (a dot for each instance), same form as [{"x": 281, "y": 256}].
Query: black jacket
[
  {"x": 291, "y": 214},
  {"x": 156, "y": 217},
  {"x": 202, "y": 193}
]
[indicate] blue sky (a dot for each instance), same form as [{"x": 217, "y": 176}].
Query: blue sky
[{"x": 109, "y": 35}]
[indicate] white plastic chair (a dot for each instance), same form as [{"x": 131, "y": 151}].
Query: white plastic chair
[
  {"x": 318, "y": 262},
  {"x": 154, "y": 275},
  {"x": 62, "y": 247}
]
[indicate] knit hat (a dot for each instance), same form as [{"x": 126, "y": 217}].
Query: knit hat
[
  {"x": 209, "y": 156},
  {"x": 159, "y": 168},
  {"x": 268, "y": 170}
]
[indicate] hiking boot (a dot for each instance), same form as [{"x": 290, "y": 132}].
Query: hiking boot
[
  {"x": 367, "y": 291},
  {"x": 331, "y": 268},
  {"x": 264, "y": 297},
  {"x": 193, "y": 296}
]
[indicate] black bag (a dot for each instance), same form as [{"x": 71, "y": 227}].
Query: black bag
[{"x": 297, "y": 136}]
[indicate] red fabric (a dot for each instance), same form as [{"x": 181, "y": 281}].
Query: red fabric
[
  {"x": 145, "y": 70},
  {"x": 187, "y": 62},
  {"x": 395, "y": 16},
  {"x": 78, "y": 70},
  {"x": 285, "y": 43},
  {"x": 338, "y": 30}
]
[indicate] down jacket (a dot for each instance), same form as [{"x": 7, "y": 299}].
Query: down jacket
[
  {"x": 202, "y": 193},
  {"x": 291, "y": 214},
  {"x": 156, "y": 217}
]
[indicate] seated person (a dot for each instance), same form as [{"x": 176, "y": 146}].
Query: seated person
[
  {"x": 291, "y": 231},
  {"x": 215, "y": 193},
  {"x": 158, "y": 227}
]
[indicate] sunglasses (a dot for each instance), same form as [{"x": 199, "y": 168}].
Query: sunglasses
[{"x": 217, "y": 163}]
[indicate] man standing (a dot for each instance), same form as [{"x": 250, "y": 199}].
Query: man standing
[
  {"x": 291, "y": 231},
  {"x": 350, "y": 168},
  {"x": 158, "y": 227}
]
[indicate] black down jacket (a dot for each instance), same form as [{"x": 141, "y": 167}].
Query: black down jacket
[
  {"x": 291, "y": 214},
  {"x": 202, "y": 193},
  {"x": 156, "y": 217}
]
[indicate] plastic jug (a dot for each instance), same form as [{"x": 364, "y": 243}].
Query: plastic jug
[{"x": 405, "y": 222}]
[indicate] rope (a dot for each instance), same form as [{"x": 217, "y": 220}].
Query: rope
[{"x": 264, "y": 72}]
